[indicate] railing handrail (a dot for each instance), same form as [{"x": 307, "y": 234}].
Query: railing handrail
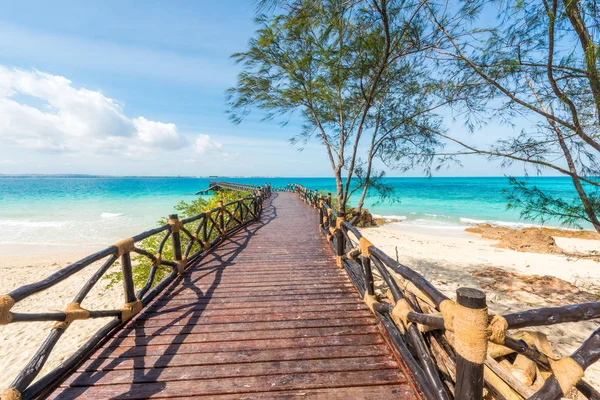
[
  {"x": 414, "y": 303},
  {"x": 213, "y": 227}
]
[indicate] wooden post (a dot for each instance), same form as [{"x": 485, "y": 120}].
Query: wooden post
[
  {"x": 339, "y": 239},
  {"x": 176, "y": 239},
  {"x": 469, "y": 373},
  {"x": 321, "y": 214},
  {"x": 221, "y": 219},
  {"x": 329, "y": 199},
  {"x": 128, "y": 288},
  {"x": 205, "y": 238},
  {"x": 255, "y": 205},
  {"x": 368, "y": 274},
  {"x": 241, "y": 201}
]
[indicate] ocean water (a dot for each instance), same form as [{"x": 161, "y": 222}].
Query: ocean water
[{"x": 97, "y": 211}]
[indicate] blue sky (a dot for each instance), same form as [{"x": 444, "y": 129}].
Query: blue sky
[{"x": 154, "y": 75}]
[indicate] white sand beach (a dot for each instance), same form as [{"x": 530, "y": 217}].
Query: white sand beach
[
  {"x": 19, "y": 341},
  {"x": 449, "y": 258}
]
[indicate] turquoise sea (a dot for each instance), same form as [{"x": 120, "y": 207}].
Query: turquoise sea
[{"x": 96, "y": 211}]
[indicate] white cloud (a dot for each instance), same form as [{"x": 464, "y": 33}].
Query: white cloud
[
  {"x": 205, "y": 145},
  {"x": 158, "y": 134},
  {"x": 45, "y": 112}
]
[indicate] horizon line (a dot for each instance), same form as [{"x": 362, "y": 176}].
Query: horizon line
[{"x": 263, "y": 176}]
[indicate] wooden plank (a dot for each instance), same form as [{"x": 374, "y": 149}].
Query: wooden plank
[
  {"x": 144, "y": 319},
  {"x": 131, "y": 341},
  {"x": 394, "y": 391},
  {"x": 244, "y": 326},
  {"x": 256, "y": 272},
  {"x": 199, "y": 310},
  {"x": 188, "y": 293},
  {"x": 265, "y": 286},
  {"x": 282, "y": 301},
  {"x": 211, "y": 347},
  {"x": 317, "y": 280},
  {"x": 231, "y": 370},
  {"x": 232, "y": 385},
  {"x": 246, "y": 356}
]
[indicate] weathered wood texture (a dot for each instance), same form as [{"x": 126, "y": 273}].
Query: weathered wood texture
[{"x": 267, "y": 315}]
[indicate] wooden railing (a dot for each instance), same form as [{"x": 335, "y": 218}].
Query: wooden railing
[
  {"x": 191, "y": 238},
  {"x": 450, "y": 347},
  {"x": 237, "y": 186}
]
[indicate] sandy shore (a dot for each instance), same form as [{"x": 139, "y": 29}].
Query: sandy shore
[
  {"x": 513, "y": 280},
  {"x": 448, "y": 257}
]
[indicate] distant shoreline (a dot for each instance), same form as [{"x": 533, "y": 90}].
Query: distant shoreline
[
  {"x": 91, "y": 210},
  {"x": 265, "y": 177}
]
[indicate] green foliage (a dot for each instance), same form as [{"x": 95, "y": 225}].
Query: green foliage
[
  {"x": 334, "y": 200},
  {"x": 141, "y": 265},
  {"x": 537, "y": 64},
  {"x": 350, "y": 71},
  {"x": 536, "y": 205}
]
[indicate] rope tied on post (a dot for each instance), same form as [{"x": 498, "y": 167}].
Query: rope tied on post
[
  {"x": 470, "y": 327},
  {"x": 400, "y": 313},
  {"x": 157, "y": 259},
  {"x": 130, "y": 309},
  {"x": 370, "y": 300},
  {"x": 181, "y": 264},
  {"x": 497, "y": 329},
  {"x": 6, "y": 303},
  {"x": 125, "y": 246},
  {"x": 175, "y": 224},
  {"x": 338, "y": 233},
  {"x": 567, "y": 373},
  {"x": 73, "y": 312},
  {"x": 11, "y": 394},
  {"x": 364, "y": 245}
]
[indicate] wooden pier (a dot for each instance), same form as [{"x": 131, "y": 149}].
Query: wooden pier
[{"x": 266, "y": 315}]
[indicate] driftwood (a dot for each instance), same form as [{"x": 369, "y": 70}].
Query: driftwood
[
  {"x": 208, "y": 233},
  {"x": 426, "y": 338}
]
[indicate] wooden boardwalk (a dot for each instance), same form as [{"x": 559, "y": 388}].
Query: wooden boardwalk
[{"x": 266, "y": 315}]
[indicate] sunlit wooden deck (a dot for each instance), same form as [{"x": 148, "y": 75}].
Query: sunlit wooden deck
[{"x": 265, "y": 315}]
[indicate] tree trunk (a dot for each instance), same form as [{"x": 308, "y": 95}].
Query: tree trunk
[
  {"x": 585, "y": 201},
  {"x": 339, "y": 188},
  {"x": 363, "y": 195}
]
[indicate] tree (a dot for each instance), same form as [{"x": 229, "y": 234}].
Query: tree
[
  {"x": 346, "y": 68},
  {"x": 539, "y": 62}
]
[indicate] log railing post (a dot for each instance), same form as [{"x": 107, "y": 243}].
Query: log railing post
[
  {"x": 329, "y": 199},
  {"x": 470, "y": 342},
  {"x": 339, "y": 239},
  {"x": 368, "y": 273},
  {"x": 321, "y": 214},
  {"x": 255, "y": 206},
  {"x": 205, "y": 222},
  {"x": 128, "y": 286},
  {"x": 241, "y": 202},
  {"x": 221, "y": 219},
  {"x": 175, "y": 224}
]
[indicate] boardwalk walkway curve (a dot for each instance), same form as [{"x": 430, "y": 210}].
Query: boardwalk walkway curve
[{"x": 266, "y": 315}]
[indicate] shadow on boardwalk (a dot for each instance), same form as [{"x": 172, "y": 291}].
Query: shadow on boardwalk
[
  {"x": 266, "y": 315},
  {"x": 216, "y": 262}
]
